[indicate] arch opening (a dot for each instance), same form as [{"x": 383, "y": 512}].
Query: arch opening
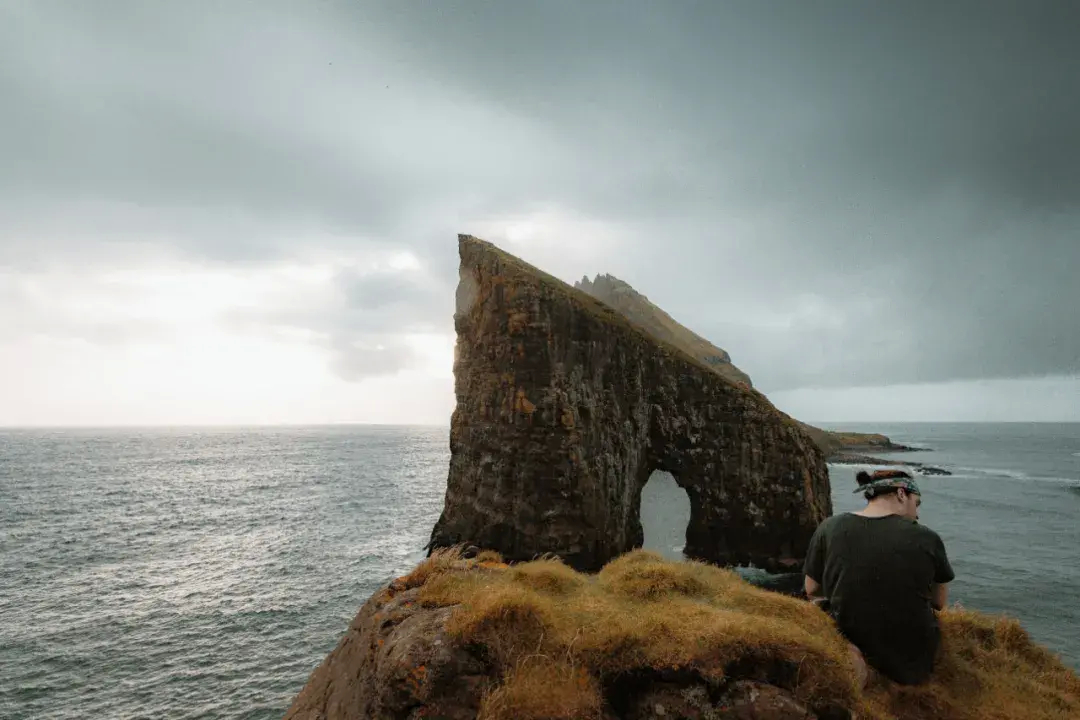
[{"x": 665, "y": 515}]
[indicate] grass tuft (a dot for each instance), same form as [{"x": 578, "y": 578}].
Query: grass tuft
[
  {"x": 548, "y": 576},
  {"x": 540, "y": 688},
  {"x": 440, "y": 561},
  {"x": 507, "y": 619},
  {"x": 489, "y": 556}
]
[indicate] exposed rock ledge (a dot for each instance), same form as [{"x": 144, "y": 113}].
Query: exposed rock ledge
[{"x": 564, "y": 410}]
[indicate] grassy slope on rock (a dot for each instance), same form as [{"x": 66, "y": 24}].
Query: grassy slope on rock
[{"x": 559, "y": 641}]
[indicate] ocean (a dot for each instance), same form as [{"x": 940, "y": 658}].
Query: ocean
[{"x": 203, "y": 573}]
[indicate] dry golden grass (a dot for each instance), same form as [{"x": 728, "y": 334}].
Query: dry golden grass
[
  {"x": 550, "y": 577},
  {"x": 988, "y": 669},
  {"x": 438, "y": 562},
  {"x": 557, "y": 637},
  {"x": 540, "y": 688},
  {"x": 489, "y": 556}
]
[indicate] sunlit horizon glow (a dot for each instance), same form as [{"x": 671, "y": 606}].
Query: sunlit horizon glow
[{"x": 179, "y": 343}]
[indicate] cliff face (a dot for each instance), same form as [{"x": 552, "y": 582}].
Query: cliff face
[
  {"x": 564, "y": 409},
  {"x": 638, "y": 309}
]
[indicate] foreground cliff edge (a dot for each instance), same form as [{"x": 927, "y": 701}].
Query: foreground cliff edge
[
  {"x": 564, "y": 410},
  {"x": 648, "y": 638}
]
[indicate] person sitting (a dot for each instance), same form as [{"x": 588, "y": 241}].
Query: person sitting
[{"x": 881, "y": 576}]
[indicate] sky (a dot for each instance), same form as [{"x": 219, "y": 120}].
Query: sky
[{"x": 246, "y": 213}]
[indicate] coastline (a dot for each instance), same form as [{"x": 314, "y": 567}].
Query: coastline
[{"x": 858, "y": 458}]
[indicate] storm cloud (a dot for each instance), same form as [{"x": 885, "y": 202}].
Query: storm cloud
[{"x": 838, "y": 194}]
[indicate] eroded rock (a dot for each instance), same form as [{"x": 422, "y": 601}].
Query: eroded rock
[
  {"x": 741, "y": 700},
  {"x": 395, "y": 662},
  {"x": 747, "y": 700},
  {"x": 565, "y": 408}
]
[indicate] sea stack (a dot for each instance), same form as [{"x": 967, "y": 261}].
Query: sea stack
[{"x": 564, "y": 410}]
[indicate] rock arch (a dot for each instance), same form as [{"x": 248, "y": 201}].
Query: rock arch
[
  {"x": 665, "y": 515},
  {"x": 564, "y": 409}
]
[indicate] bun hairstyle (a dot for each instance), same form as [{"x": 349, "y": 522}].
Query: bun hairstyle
[{"x": 863, "y": 478}]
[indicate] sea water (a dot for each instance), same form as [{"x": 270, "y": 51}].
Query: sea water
[{"x": 204, "y": 573}]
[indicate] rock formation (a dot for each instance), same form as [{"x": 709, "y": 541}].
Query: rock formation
[
  {"x": 846, "y": 458},
  {"x": 638, "y": 309},
  {"x": 564, "y": 410}
]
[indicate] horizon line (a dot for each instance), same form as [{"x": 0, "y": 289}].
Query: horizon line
[{"x": 182, "y": 425}]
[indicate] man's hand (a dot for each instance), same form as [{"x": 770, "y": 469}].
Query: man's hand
[
  {"x": 939, "y": 595},
  {"x": 812, "y": 587}
]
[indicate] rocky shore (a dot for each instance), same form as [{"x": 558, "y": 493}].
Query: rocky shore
[{"x": 856, "y": 459}]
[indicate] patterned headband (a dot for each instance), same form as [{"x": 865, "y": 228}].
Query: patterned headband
[{"x": 889, "y": 479}]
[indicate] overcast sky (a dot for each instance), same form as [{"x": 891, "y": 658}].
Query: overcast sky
[{"x": 245, "y": 212}]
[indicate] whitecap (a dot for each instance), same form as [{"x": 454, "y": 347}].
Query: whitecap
[
  {"x": 996, "y": 472},
  {"x": 1016, "y": 475}
]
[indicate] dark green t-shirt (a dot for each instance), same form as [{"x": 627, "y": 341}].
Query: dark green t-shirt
[{"x": 876, "y": 574}]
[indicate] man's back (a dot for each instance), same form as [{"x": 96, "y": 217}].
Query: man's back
[{"x": 877, "y": 573}]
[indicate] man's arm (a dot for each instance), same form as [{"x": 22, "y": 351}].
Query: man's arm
[
  {"x": 939, "y": 595},
  {"x": 814, "y": 565},
  {"x": 943, "y": 575}
]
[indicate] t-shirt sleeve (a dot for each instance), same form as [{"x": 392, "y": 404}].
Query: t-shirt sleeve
[
  {"x": 943, "y": 572},
  {"x": 814, "y": 566}
]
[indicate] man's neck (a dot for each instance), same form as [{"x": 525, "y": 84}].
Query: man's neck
[{"x": 875, "y": 510}]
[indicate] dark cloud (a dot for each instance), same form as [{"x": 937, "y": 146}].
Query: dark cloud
[
  {"x": 264, "y": 113},
  {"x": 838, "y": 193}
]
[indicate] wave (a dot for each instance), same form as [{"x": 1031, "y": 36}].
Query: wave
[
  {"x": 1013, "y": 475},
  {"x": 994, "y": 472},
  {"x": 961, "y": 472},
  {"x": 1076, "y": 454}
]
